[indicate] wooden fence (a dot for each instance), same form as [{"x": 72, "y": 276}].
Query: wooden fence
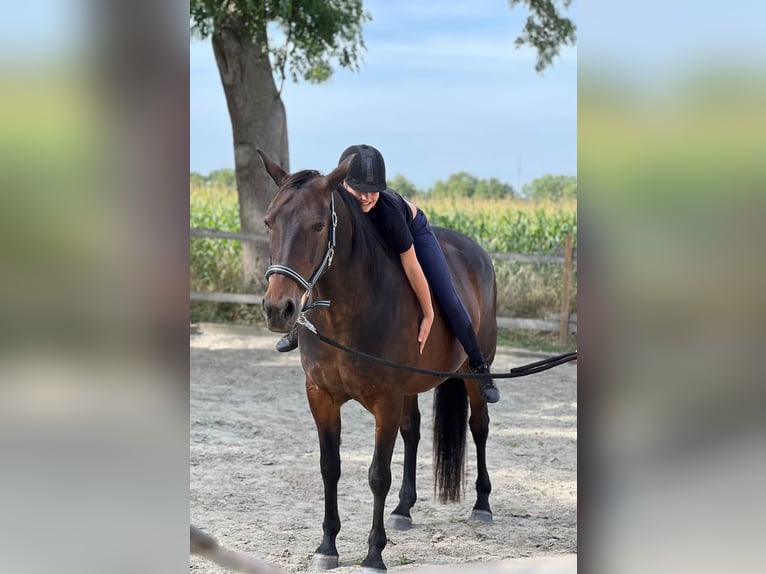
[{"x": 563, "y": 322}]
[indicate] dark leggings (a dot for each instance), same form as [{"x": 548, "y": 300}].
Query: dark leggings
[{"x": 434, "y": 264}]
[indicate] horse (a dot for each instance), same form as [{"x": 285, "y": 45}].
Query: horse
[{"x": 318, "y": 231}]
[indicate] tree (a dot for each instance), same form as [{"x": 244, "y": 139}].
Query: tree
[
  {"x": 313, "y": 35},
  {"x": 460, "y": 184},
  {"x": 546, "y": 30},
  {"x": 222, "y": 177},
  {"x": 551, "y": 187},
  {"x": 493, "y": 188},
  {"x": 404, "y": 186},
  {"x": 464, "y": 184},
  {"x": 197, "y": 180}
]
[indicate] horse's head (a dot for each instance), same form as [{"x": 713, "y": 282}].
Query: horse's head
[{"x": 300, "y": 221}]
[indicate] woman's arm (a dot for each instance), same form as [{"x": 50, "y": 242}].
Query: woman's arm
[{"x": 420, "y": 286}]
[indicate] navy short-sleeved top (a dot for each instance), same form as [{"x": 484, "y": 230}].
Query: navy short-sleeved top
[{"x": 392, "y": 216}]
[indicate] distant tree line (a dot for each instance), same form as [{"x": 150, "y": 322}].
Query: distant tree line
[
  {"x": 461, "y": 184},
  {"x": 216, "y": 178}
]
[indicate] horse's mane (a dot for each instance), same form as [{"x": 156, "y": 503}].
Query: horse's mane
[
  {"x": 298, "y": 179},
  {"x": 367, "y": 245}
]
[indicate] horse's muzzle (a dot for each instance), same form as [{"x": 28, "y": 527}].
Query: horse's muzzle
[{"x": 280, "y": 312}]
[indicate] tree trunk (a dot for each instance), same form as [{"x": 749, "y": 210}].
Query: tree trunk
[{"x": 258, "y": 120}]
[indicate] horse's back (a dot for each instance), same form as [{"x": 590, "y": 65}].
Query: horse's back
[
  {"x": 466, "y": 258},
  {"x": 450, "y": 240}
]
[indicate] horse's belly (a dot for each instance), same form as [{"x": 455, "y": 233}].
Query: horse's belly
[{"x": 344, "y": 376}]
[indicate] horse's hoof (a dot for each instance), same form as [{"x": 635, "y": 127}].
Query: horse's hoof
[
  {"x": 323, "y": 562},
  {"x": 399, "y": 522},
  {"x": 481, "y": 516}
]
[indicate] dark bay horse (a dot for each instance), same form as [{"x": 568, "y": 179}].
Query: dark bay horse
[{"x": 374, "y": 310}]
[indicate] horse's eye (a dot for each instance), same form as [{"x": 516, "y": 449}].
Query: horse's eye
[
  {"x": 266, "y": 224},
  {"x": 319, "y": 226}
]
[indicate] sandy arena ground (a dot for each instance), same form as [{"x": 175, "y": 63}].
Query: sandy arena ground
[{"x": 255, "y": 482}]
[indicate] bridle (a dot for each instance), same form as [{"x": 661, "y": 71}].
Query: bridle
[{"x": 323, "y": 266}]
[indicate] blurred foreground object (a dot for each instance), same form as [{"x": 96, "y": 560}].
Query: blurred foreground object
[
  {"x": 206, "y": 546},
  {"x": 94, "y": 290},
  {"x": 671, "y": 180}
]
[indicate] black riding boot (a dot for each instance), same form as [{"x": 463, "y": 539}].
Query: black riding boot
[
  {"x": 289, "y": 341},
  {"x": 487, "y": 388}
]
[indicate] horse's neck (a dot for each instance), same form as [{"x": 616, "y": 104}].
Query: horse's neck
[{"x": 348, "y": 283}]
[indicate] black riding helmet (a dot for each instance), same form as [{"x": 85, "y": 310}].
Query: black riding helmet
[{"x": 367, "y": 173}]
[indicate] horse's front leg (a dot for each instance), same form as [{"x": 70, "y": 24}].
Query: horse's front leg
[
  {"x": 400, "y": 518},
  {"x": 479, "y": 423},
  {"x": 387, "y": 414},
  {"x": 327, "y": 418}
]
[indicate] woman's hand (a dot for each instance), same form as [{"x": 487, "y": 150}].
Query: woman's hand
[{"x": 425, "y": 330}]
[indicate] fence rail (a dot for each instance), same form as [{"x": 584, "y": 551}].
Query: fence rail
[
  {"x": 215, "y": 234},
  {"x": 554, "y": 322}
]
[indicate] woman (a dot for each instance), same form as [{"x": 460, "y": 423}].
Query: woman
[{"x": 406, "y": 230}]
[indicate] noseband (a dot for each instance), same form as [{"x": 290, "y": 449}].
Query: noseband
[{"x": 323, "y": 267}]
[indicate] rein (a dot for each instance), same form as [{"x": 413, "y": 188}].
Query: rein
[{"x": 522, "y": 371}]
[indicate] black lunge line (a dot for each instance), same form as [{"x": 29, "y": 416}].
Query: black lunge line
[{"x": 522, "y": 371}]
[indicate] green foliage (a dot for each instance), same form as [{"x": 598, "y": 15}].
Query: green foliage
[
  {"x": 507, "y": 228},
  {"x": 215, "y": 264},
  {"x": 523, "y": 289},
  {"x": 493, "y": 189},
  {"x": 404, "y": 186},
  {"x": 531, "y": 289},
  {"x": 222, "y": 178},
  {"x": 498, "y": 225},
  {"x": 461, "y": 184},
  {"x": 546, "y": 30},
  {"x": 312, "y": 33},
  {"x": 464, "y": 184},
  {"x": 551, "y": 188},
  {"x": 218, "y": 178},
  {"x": 197, "y": 180}
]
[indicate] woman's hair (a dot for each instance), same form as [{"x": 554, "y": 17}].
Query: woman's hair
[{"x": 368, "y": 245}]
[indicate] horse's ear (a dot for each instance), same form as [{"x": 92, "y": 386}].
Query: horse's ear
[
  {"x": 339, "y": 173},
  {"x": 276, "y": 172}
]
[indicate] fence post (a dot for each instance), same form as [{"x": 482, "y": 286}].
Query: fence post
[{"x": 564, "y": 315}]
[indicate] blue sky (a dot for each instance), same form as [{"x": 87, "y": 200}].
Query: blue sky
[
  {"x": 440, "y": 90},
  {"x": 653, "y": 43}
]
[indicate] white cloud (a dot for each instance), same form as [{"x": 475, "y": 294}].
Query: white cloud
[{"x": 437, "y": 93}]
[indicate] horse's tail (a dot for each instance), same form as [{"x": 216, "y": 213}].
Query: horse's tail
[{"x": 450, "y": 424}]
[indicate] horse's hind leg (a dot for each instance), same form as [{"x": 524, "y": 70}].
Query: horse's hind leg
[
  {"x": 327, "y": 418},
  {"x": 479, "y": 424},
  {"x": 409, "y": 427}
]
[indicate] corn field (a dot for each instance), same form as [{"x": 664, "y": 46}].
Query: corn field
[{"x": 524, "y": 289}]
